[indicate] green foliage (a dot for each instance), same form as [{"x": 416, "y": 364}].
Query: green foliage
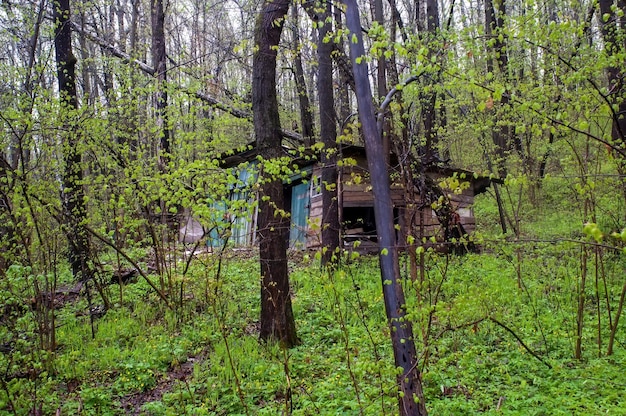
[
  {"x": 96, "y": 401},
  {"x": 344, "y": 364}
]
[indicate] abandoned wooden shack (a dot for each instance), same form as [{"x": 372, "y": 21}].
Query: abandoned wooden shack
[{"x": 416, "y": 214}]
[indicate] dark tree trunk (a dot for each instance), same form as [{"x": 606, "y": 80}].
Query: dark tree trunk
[
  {"x": 503, "y": 139},
  {"x": 328, "y": 135},
  {"x": 381, "y": 77},
  {"x": 8, "y": 234},
  {"x": 339, "y": 57},
  {"x": 159, "y": 63},
  {"x": 133, "y": 27},
  {"x": 613, "y": 31},
  {"x": 163, "y": 145},
  {"x": 493, "y": 24},
  {"x": 277, "y": 321},
  {"x": 614, "y": 35},
  {"x": 420, "y": 12},
  {"x": 73, "y": 197},
  {"x": 411, "y": 397},
  {"x": 306, "y": 115},
  {"x": 343, "y": 98},
  {"x": 429, "y": 98},
  {"x": 381, "y": 72}
]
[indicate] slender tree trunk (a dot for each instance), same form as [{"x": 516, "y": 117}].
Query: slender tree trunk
[
  {"x": 73, "y": 197},
  {"x": 159, "y": 63},
  {"x": 328, "y": 135},
  {"x": 306, "y": 115},
  {"x": 163, "y": 150},
  {"x": 88, "y": 95},
  {"x": 498, "y": 134},
  {"x": 429, "y": 97},
  {"x": 134, "y": 21},
  {"x": 381, "y": 71},
  {"x": 339, "y": 57},
  {"x": 277, "y": 321},
  {"x": 343, "y": 98},
  {"x": 420, "y": 12},
  {"x": 613, "y": 30},
  {"x": 411, "y": 397},
  {"x": 8, "y": 234},
  {"x": 494, "y": 23},
  {"x": 381, "y": 77}
]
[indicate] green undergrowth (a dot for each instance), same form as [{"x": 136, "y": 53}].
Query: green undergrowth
[{"x": 495, "y": 333}]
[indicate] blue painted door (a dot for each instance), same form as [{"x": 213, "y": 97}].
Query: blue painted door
[{"x": 299, "y": 215}]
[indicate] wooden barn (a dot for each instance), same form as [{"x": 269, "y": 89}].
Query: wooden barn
[{"x": 303, "y": 200}]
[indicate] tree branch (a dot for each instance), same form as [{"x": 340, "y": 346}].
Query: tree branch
[
  {"x": 510, "y": 331},
  {"x": 213, "y": 102}
]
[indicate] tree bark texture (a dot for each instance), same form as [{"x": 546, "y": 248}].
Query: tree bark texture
[
  {"x": 73, "y": 198},
  {"x": 381, "y": 70},
  {"x": 8, "y": 232},
  {"x": 159, "y": 63},
  {"x": 614, "y": 35},
  {"x": 339, "y": 57},
  {"x": 493, "y": 24},
  {"x": 495, "y": 12},
  {"x": 381, "y": 77},
  {"x": 411, "y": 399},
  {"x": 428, "y": 98},
  {"x": 328, "y": 135},
  {"x": 306, "y": 114},
  {"x": 342, "y": 77},
  {"x": 277, "y": 321}
]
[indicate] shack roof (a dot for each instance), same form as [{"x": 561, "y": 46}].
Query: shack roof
[
  {"x": 249, "y": 153},
  {"x": 308, "y": 157}
]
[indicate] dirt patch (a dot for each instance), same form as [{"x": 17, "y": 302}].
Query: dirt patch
[{"x": 132, "y": 403}]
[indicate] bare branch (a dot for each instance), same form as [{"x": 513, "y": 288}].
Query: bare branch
[{"x": 213, "y": 102}]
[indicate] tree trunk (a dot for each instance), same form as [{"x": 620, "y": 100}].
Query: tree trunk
[
  {"x": 411, "y": 397},
  {"x": 73, "y": 198},
  {"x": 8, "y": 234},
  {"x": 277, "y": 321},
  {"x": 429, "y": 97},
  {"x": 306, "y": 115},
  {"x": 328, "y": 133},
  {"x": 494, "y": 22},
  {"x": 613, "y": 28},
  {"x": 339, "y": 57},
  {"x": 381, "y": 70},
  {"x": 159, "y": 63},
  {"x": 163, "y": 133},
  {"x": 343, "y": 98},
  {"x": 381, "y": 78}
]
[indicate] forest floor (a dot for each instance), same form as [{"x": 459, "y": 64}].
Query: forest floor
[{"x": 496, "y": 333}]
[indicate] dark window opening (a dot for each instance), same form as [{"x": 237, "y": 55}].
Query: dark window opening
[{"x": 359, "y": 223}]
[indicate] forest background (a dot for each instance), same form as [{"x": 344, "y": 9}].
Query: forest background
[{"x": 115, "y": 116}]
